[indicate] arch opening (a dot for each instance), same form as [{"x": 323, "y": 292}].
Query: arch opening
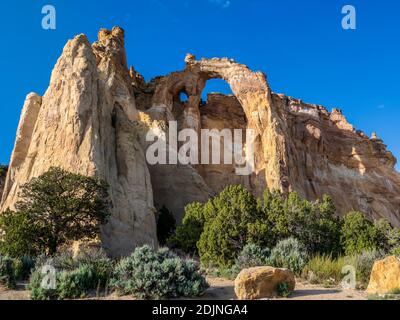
[
  {"x": 215, "y": 86},
  {"x": 221, "y": 110},
  {"x": 183, "y": 97}
]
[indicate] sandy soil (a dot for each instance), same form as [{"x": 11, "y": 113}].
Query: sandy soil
[
  {"x": 20, "y": 293},
  {"x": 223, "y": 289}
]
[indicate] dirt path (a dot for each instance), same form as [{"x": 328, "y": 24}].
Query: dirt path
[
  {"x": 18, "y": 294},
  {"x": 223, "y": 289}
]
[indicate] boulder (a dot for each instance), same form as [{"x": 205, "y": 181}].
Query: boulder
[
  {"x": 385, "y": 276},
  {"x": 262, "y": 282}
]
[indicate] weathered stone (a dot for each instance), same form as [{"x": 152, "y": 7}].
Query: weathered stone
[
  {"x": 84, "y": 124},
  {"x": 298, "y": 146},
  {"x": 385, "y": 276},
  {"x": 262, "y": 282}
]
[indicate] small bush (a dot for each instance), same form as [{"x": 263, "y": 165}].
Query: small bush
[
  {"x": 75, "y": 278},
  {"x": 363, "y": 264},
  {"x": 313, "y": 223},
  {"x": 226, "y": 273},
  {"x": 252, "y": 255},
  {"x": 290, "y": 254},
  {"x": 188, "y": 233},
  {"x": 100, "y": 265},
  {"x": 152, "y": 274},
  {"x": 358, "y": 234},
  {"x": 23, "y": 267},
  {"x": 396, "y": 251},
  {"x": 283, "y": 290},
  {"x": 323, "y": 269},
  {"x": 76, "y": 283},
  {"x": 36, "y": 288},
  {"x": 387, "y": 237},
  {"x": 7, "y": 274},
  {"x": 328, "y": 271},
  {"x": 232, "y": 219}
]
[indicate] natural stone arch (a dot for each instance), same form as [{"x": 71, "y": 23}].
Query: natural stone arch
[{"x": 253, "y": 93}]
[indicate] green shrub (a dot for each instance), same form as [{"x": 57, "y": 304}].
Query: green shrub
[
  {"x": 290, "y": 254},
  {"x": 55, "y": 208},
  {"x": 12, "y": 270},
  {"x": 323, "y": 269},
  {"x": 7, "y": 273},
  {"x": 166, "y": 225},
  {"x": 229, "y": 273},
  {"x": 395, "y": 251},
  {"x": 231, "y": 221},
  {"x": 220, "y": 229},
  {"x": 36, "y": 288},
  {"x": 76, "y": 283},
  {"x": 387, "y": 237},
  {"x": 358, "y": 234},
  {"x": 75, "y": 278},
  {"x": 19, "y": 234},
  {"x": 23, "y": 267},
  {"x": 312, "y": 223},
  {"x": 225, "y": 224},
  {"x": 363, "y": 264},
  {"x": 252, "y": 255},
  {"x": 283, "y": 290},
  {"x": 152, "y": 274},
  {"x": 188, "y": 233},
  {"x": 100, "y": 265}
]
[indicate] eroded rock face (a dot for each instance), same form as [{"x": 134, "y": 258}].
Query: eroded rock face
[
  {"x": 326, "y": 155},
  {"x": 85, "y": 124},
  {"x": 96, "y": 113},
  {"x": 262, "y": 282},
  {"x": 298, "y": 146}
]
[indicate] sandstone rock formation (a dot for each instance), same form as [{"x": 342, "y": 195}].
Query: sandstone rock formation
[
  {"x": 298, "y": 146},
  {"x": 262, "y": 282},
  {"x": 85, "y": 123},
  {"x": 94, "y": 117},
  {"x": 385, "y": 276}
]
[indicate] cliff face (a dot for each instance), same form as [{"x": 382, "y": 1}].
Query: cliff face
[
  {"x": 324, "y": 154},
  {"x": 94, "y": 117},
  {"x": 298, "y": 146}
]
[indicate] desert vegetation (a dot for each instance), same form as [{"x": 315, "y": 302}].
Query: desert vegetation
[
  {"x": 54, "y": 208},
  {"x": 60, "y": 207},
  {"x": 232, "y": 231}
]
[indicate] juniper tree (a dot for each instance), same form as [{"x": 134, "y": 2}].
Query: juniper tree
[{"x": 56, "y": 207}]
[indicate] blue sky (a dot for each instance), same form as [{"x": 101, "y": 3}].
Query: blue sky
[{"x": 300, "y": 45}]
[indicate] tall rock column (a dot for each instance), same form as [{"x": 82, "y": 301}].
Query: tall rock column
[{"x": 85, "y": 124}]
